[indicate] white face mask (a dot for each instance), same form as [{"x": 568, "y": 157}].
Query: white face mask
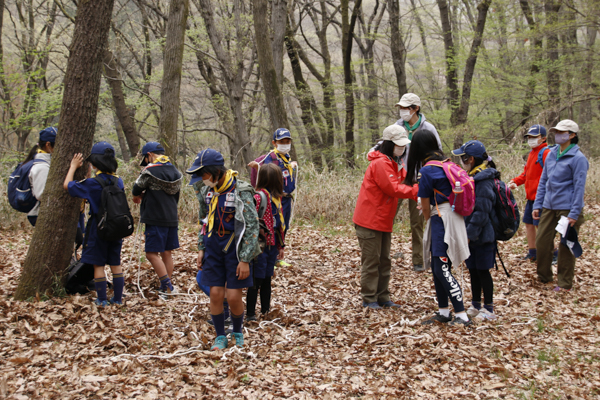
[
  {"x": 406, "y": 115},
  {"x": 209, "y": 183},
  {"x": 399, "y": 150},
  {"x": 466, "y": 166},
  {"x": 533, "y": 142},
  {"x": 284, "y": 148}
]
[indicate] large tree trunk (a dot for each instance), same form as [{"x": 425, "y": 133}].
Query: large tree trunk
[
  {"x": 123, "y": 112},
  {"x": 552, "y": 75},
  {"x": 397, "y": 47},
  {"x": 52, "y": 242},
  {"x": 278, "y": 23},
  {"x": 171, "y": 83},
  {"x": 451, "y": 74},
  {"x": 6, "y": 93},
  {"x": 536, "y": 56},
  {"x": 429, "y": 68}
]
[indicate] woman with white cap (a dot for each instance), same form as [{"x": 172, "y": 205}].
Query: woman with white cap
[
  {"x": 560, "y": 194},
  {"x": 374, "y": 215}
]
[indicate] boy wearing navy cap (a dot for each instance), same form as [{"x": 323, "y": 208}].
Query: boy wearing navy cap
[
  {"x": 282, "y": 142},
  {"x": 38, "y": 175},
  {"x": 228, "y": 240},
  {"x": 157, "y": 189}
]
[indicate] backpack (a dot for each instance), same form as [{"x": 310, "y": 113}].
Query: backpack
[
  {"x": 80, "y": 277},
  {"x": 19, "y": 192},
  {"x": 506, "y": 212},
  {"x": 114, "y": 217},
  {"x": 262, "y": 231},
  {"x": 540, "y": 158},
  {"x": 462, "y": 200},
  {"x": 260, "y": 160}
]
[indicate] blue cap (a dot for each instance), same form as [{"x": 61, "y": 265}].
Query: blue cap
[
  {"x": 572, "y": 242},
  {"x": 150, "y": 147},
  {"x": 205, "y": 158},
  {"x": 48, "y": 135},
  {"x": 282, "y": 133},
  {"x": 473, "y": 148},
  {"x": 536, "y": 130},
  {"x": 100, "y": 147}
]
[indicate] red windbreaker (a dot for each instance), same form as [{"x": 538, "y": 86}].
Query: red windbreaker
[
  {"x": 532, "y": 173},
  {"x": 379, "y": 193}
]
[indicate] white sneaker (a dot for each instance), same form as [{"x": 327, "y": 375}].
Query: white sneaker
[
  {"x": 485, "y": 315},
  {"x": 166, "y": 295},
  {"x": 472, "y": 311}
]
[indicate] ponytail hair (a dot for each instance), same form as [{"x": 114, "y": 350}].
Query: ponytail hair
[
  {"x": 423, "y": 147},
  {"x": 486, "y": 157},
  {"x": 31, "y": 154}
]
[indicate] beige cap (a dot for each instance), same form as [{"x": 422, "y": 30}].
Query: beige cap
[
  {"x": 396, "y": 134},
  {"x": 409, "y": 99},
  {"x": 565, "y": 125}
]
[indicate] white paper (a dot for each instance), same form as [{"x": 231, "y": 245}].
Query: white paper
[{"x": 563, "y": 225}]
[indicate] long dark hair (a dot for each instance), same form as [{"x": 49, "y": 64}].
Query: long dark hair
[
  {"x": 270, "y": 178},
  {"x": 386, "y": 147},
  {"x": 423, "y": 147},
  {"x": 34, "y": 150},
  {"x": 104, "y": 162},
  {"x": 479, "y": 160}
]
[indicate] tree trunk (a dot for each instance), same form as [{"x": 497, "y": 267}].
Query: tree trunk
[
  {"x": 114, "y": 79},
  {"x": 397, "y": 47},
  {"x": 278, "y": 22},
  {"x": 552, "y": 76},
  {"x": 536, "y": 56},
  {"x": 428, "y": 66},
  {"x": 171, "y": 83},
  {"x": 6, "y": 93},
  {"x": 268, "y": 75},
  {"x": 52, "y": 242},
  {"x": 121, "y": 138},
  {"x": 451, "y": 75}
]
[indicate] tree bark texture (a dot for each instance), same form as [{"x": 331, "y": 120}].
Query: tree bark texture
[
  {"x": 451, "y": 73},
  {"x": 397, "y": 47},
  {"x": 52, "y": 242},
  {"x": 171, "y": 83},
  {"x": 114, "y": 79},
  {"x": 279, "y": 12},
  {"x": 552, "y": 9},
  {"x": 537, "y": 43}
]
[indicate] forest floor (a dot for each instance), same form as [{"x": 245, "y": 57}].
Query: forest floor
[{"x": 318, "y": 341}]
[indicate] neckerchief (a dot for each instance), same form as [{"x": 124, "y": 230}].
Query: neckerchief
[
  {"x": 107, "y": 173},
  {"x": 162, "y": 160},
  {"x": 412, "y": 129},
  {"x": 559, "y": 153},
  {"x": 214, "y": 202},
  {"x": 40, "y": 151},
  {"x": 285, "y": 159},
  {"x": 277, "y": 202},
  {"x": 478, "y": 168}
]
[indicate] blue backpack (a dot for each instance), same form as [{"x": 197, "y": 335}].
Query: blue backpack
[
  {"x": 540, "y": 159},
  {"x": 19, "y": 191}
]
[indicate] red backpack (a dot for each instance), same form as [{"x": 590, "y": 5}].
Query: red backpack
[{"x": 462, "y": 198}]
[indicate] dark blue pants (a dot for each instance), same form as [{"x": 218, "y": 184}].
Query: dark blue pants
[{"x": 446, "y": 285}]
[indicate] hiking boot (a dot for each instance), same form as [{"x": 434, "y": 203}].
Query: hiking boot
[
  {"x": 220, "y": 343},
  {"x": 436, "y": 318},
  {"x": 113, "y": 301},
  {"x": 484, "y": 314},
  {"x": 374, "y": 305},
  {"x": 389, "y": 304},
  {"x": 459, "y": 321},
  {"x": 239, "y": 338},
  {"x": 165, "y": 294},
  {"x": 472, "y": 311},
  {"x": 419, "y": 268},
  {"x": 102, "y": 303}
]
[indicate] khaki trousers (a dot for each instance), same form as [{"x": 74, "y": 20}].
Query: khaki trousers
[
  {"x": 544, "y": 242},
  {"x": 376, "y": 264},
  {"x": 416, "y": 228}
]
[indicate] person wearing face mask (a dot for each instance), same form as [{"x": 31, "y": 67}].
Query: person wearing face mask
[
  {"x": 227, "y": 241},
  {"x": 536, "y": 139},
  {"x": 374, "y": 215},
  {"x": 41, "y": 153},
  {"x": 560, "y": 193},
  {"x": 157, "y": 189},
  {"x": 282, "y": 142},
  {"x": 411, "y": 119}
]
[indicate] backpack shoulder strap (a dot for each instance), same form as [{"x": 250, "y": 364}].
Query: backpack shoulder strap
[
  {"x": 540, "y": 159},
  {"x": 263, "y": 204},
  {"x": 434, "y": 163}
]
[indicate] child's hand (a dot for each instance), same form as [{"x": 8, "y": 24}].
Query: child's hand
[
  {"x": 281, "y": 254},
  {"x": 200, "y": 259},
  {"x": 77, "y": 161},
  {"x": 243, "y": 271},
  {"x": 138, "y": 199},
  {"x": 294, "y": 164},
  {"x": 253, "y": 164},
  {"x": 512, "y": 185}
]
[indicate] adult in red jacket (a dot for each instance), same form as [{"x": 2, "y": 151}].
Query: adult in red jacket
[
  {"x": 536, "y": 138},
  {"x": 374, "y": 215}
]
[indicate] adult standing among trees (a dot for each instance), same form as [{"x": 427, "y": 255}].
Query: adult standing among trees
[
  {"x": 413, "y": 120},
  {"x": 560, "y": 194},
  {"x": 374, "y": 215}
]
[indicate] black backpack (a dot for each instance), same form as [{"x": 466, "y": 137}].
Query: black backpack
[
  {"x": 80, "y": 277},
  {"x": 114, "y": 217},
  {"x": 506, "y": 218}
]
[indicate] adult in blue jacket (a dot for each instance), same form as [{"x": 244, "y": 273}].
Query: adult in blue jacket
[
  {"x": 480, "y": 231},
  {"x": 560, "y": 193}
]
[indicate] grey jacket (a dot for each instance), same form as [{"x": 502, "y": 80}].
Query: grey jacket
[
  {"x": 424, "y": 125},
  {"x": 37, "y": 178}
]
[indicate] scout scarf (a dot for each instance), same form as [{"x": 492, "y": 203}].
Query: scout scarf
[
  {"x": 162, "y": 160},
  {"x": 40, "y": 151},
  {"x": 277, "y": 203},
  {"x": 214, "y": 202},
  {"x": 412, "y": 129},
  {"x": 478, "y": 168},
  {"x": 285, "y": 159}
]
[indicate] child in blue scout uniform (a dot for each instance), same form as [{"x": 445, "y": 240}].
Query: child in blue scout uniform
[
  {"x": 228, "y": 240},
  {"x": 282, "y": 140},
  {"x": 38, "y": 175},
  {"x": 434, "y": 190},
  {"x": 95, "y": 250},
  {"x": 157, "y": 188},
  {"x": 270, "y": 183},
  {"x": 480, "y": 231}
]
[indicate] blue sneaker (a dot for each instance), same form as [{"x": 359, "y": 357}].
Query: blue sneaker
[
  {"x": 113, "y": 301},
  {"x": 220, "y": 343},
  {"x": 239, "y": 338},
  {"x": 389, "y": 304},
  {"x": 374, "y": 305},
  {"x": 102, "y": 303}
]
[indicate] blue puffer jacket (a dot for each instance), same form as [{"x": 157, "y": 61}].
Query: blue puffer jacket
[
  {"x": 563, "y": 182},
  {"x": 479, "y": 224}
]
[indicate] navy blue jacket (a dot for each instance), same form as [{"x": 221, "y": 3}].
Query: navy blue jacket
[{"x": 479, "y": 223}]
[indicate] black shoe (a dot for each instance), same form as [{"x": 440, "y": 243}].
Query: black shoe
[
  {"x": 459, "y": 321},
  {"x": 250, "y": 318},
  {"x": 436, "y": 318},
  {"x": 418, "y": 268}
]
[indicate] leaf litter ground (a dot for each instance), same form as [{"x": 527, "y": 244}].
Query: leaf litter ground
[{"x": 317, "y": 341}]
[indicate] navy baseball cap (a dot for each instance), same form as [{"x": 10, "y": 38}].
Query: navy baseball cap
[
  {"x": 570, "y": 240},
  {"x": 48, "y": 135},
  {"x": 101, "y": 147},
  {"x": 473, "y": 148},
  {"x": 282, "y": 133},
  {"x": 150, "y": 147},
  {"x": 536, "y": 130},
  {"x": 205, "y": 158}
]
